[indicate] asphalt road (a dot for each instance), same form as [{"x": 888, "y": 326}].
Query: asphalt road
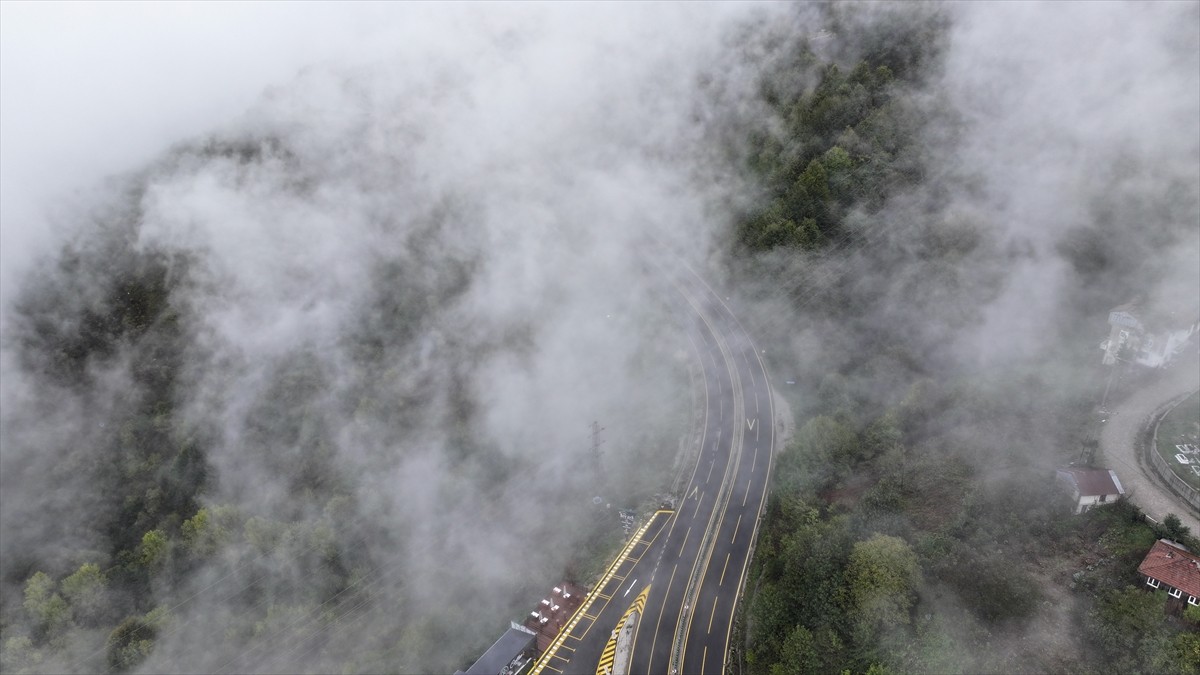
[{"x": 696, "y": 560}]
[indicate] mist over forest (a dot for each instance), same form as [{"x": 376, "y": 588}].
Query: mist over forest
[{"x": 299, "y": 361}]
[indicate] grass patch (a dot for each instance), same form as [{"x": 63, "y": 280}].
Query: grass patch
[
  {"x": 1181, "y": 427},
  {"x": 597, "y": 551}
]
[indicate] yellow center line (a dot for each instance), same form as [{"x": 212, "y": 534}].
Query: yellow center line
[
  {"x": 763, "y": 495},
  {"x": 735, "y": 529},
  {"x": 736, "y": 449},
  {"x": 722, "y": 581}
]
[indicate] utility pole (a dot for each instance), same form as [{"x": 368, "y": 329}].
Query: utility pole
[
  {"x": 596, "y": 443},
  {"x": 1112, "y": 371}
]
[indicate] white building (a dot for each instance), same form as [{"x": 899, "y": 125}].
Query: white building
[
  {"x": 1091, "y": 487},
  {"x": 1130, "y": 340}
]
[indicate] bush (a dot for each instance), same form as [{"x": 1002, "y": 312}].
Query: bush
[{"x": 130, "y": 643}]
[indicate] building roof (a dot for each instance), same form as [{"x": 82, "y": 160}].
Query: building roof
[
  {"x": 514, "y": 641},
  {"x": 1172, "y": 565},
  {"x": 554, "y": 611},
  {"x": 1093, "y": 482}
]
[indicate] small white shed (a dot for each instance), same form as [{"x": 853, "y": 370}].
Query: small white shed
[{"x": 1091, "y": 487}]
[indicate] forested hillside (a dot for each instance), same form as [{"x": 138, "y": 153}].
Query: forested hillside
[
  {"x": 312, "y": 392},
  {"x": 914, "y": 524},
  {"x": 310, "y": 389}
]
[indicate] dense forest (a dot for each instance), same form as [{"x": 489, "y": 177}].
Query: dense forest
[
  {"x": 296, "y": 461},
  {"x": 914, "y": 524}
]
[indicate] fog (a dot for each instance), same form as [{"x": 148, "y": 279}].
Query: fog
[
  {"x": 1068, "y": 176},
  {"x": 405, "y": 250},
  {"x": 411, "y": 256}
]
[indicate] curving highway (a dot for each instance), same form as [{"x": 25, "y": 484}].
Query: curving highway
[{"x": 677, "y": 584}]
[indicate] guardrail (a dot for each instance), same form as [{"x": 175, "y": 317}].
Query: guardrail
[
  {"x": 692, "y": 590},
  {"x": 559, "y": 639},
  {"x": 1178, "y": 485}
]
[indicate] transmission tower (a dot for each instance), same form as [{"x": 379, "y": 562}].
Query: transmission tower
[{"x": 596, "y": 443}]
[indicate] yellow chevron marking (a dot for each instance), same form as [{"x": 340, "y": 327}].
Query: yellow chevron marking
[
  {"x": 604, "y": 667},
  {"x": 568, "y": 632}
]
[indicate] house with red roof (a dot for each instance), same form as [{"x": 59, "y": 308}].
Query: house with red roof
[
  {"x": 1091, "y": 487},
  {"x": 1170, "y": 567}
]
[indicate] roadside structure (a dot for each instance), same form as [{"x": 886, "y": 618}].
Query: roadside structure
[
  {"x": 1091, "y": 487},
  {"x": 1174, "y": 569},
  {"x": 1130, "y": 339},
  {"x": 553, "y": 612},
  {"x": 507, "y": 655},
  {"x": 524, "y": 641}
]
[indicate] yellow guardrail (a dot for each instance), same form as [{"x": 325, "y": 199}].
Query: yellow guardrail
[{"x": 591, "y": 596}]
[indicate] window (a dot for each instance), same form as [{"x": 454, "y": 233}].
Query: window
[
  {"x": 1152, "y": 582},
  {"x": 1193, "y": 600},
  {"x": 1175, "y": 593}
]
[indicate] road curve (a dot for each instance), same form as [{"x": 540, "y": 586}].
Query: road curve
[
  {"x": 694, "y": 566},
  {"x": 1118, "y": 442}
]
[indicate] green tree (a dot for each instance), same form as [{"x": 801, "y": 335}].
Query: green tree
[
  {"x": 1178, "y": 654},
  {"x": 130, "y": 643},
  {"x": 882, "y": 576},
  {"x": 808, "y": 234},
  {"x": 1183, "y": 655},
  {"x": 152, "y": 553},
  {"x": 825, "y": 450},
  {"x": 1120, "y": 620},
  {"x": 49, "y": 611},
  {"x": 263, "y": 534},
  {"x": 840, "y": 168},
  {"x": 202, "y": 534},
  {"x": 815, "y": 181},
  {"x": 19, "y": 655},
  {"x": 1174, "y": 529},
  {"x": 1192, "y": 614},
  {"x": 86, "y": 590},
  {"x": 881, "y": 436},
  {"x": 798, "y": 655}
]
